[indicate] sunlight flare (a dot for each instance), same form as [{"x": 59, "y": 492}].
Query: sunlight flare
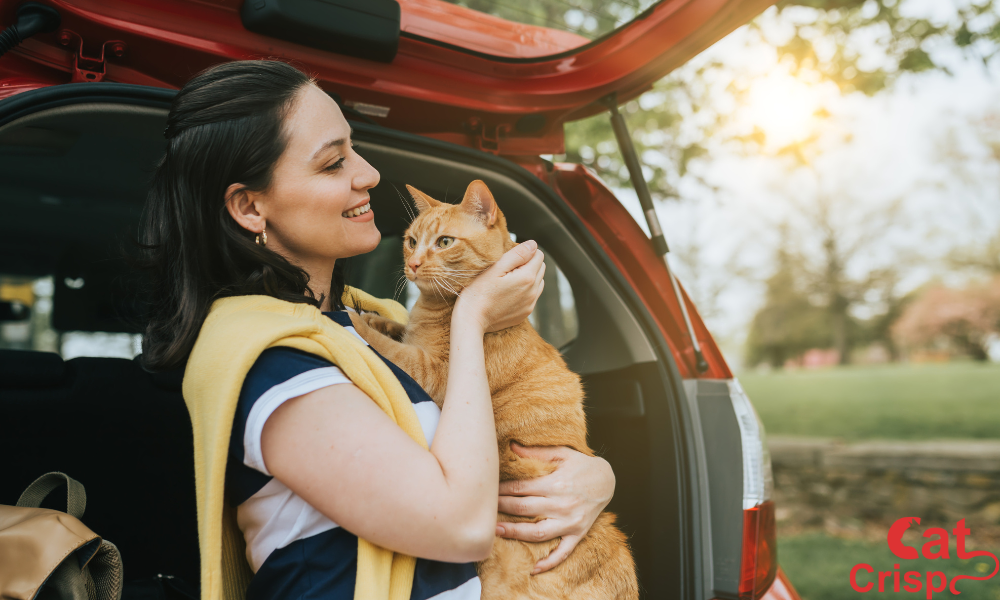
[{"x": 784, "y": 108}]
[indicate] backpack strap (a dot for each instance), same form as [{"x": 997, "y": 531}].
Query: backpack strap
[
  {"x": 76, "y": 495},
  {"x": 106, "y": 574}
]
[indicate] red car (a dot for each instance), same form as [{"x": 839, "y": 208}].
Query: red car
[{"x": 438, "y": 94}]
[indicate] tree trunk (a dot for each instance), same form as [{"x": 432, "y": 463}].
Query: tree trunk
[{"x": 840, "y": 341}]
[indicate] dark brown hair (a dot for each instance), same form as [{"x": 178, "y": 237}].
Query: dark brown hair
[{"x": 225, "y": 126}]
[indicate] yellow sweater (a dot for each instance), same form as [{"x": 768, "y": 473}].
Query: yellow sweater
[{"x": 236, "y": 331}]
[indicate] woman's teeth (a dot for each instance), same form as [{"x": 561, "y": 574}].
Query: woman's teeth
[{"x": 357, "y": 211}]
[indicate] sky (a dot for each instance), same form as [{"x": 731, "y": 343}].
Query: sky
[{"x": 915, "y": 144}]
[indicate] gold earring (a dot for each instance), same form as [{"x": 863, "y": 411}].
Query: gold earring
[{"x": 262, "y": 237}]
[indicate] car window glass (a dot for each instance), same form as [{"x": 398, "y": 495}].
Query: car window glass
[
  {"x": 26, "y": 305},
  {"x": 519, "y": 28},
  {"x": 555, "y": 316}
]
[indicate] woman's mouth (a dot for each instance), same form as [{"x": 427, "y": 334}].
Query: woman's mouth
[{"x": 355, "y": 212}]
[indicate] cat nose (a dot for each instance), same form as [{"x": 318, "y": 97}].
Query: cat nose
[{"x": 414, "y": 264}]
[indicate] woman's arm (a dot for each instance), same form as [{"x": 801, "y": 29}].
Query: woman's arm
[
  {"x": 569, "y": 500},
  {"x": 338, "y": 451}
]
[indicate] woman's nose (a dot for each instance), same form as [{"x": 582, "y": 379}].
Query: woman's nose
[{"x": 367, "y": 176}]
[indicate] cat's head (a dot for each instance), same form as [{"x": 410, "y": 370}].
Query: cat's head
[{"x": 447, "y": 245}]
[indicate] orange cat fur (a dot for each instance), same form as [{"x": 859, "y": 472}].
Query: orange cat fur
[{"x": 537, "y": 400}]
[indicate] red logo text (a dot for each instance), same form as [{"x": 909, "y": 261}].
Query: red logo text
[{"x": 914, "y": 581}]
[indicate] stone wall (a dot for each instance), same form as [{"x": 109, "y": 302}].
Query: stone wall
[{"x": 835, "y": 485}]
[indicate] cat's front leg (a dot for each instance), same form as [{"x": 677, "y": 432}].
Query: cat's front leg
[
  {"x": 387, "y": 327},
  {"x": 429, "y": 371},
  {"x": 372, "y": 329}
]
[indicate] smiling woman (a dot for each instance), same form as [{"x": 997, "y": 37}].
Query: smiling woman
[
  {"x": 315, "y": 207},
  {"x": 336, "y": 458}
]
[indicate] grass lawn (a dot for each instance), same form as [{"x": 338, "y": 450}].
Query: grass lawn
[
  {"x": 819, "y": 566},
  {"x": 953, "y": 400}
]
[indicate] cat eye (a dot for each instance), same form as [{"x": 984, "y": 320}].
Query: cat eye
[
  {"x": 411, "y": 242},
  {"x": 445, "y": 241}
]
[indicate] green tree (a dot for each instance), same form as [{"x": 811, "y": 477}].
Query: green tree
[
  {"x": 983, "y": 255},
  {"x": 788, "y": 323},
  {"x": 674, "y": 121},
  {"x": 878, "y": 329},
  {"x": 682, "y": 118},
  {"x": 905, "y": 40},
  {"x": 825, "y": 271},
  {"x": 983, "y": 258},
  {"x": 844, "y": 237}
]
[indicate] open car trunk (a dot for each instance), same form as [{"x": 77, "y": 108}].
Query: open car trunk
[{"x": 76, "y": 161}]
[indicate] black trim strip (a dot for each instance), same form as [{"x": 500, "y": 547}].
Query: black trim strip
[
  {"x": 54, "y": 96},
  {"x": 66, "y": 94}
]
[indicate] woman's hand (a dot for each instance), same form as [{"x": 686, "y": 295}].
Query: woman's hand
[
  {"x": 568, "y": 499},
  {"x": 505, "y": 294}
]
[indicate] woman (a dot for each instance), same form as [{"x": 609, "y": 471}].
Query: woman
[{"x": 261, "y": 193}]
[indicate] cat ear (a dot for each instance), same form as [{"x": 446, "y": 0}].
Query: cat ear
[
  {"x": 480, "y": 203},
  {"x": 422, "y": 200}
]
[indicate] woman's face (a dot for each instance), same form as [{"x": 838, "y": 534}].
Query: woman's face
[{"x": 317, "y": 207}]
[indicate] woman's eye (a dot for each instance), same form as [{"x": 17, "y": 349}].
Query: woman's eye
[
  {"x": 335, "y": 166},
  {"x": 445, "y": 241}
]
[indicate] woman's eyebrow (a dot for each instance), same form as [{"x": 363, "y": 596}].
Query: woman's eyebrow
[{"x": 336, "y": 142}]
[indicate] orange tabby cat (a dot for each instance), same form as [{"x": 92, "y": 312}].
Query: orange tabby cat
[{"x": 537, "y": 400}]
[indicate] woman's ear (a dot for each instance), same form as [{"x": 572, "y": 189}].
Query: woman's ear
[{"x": 243, "y": 209}]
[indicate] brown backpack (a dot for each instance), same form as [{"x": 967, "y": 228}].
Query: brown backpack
[{"x": 50, "y": 555}]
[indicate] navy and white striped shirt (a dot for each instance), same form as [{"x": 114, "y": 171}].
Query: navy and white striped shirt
[{"x": 295, "y": 551}]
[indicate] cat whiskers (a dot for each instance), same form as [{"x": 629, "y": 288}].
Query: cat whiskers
[
  {"x": 399, "y": 287},
  {"x": 448, "y": 286},
  {"x": 443, "y": 283},
  {"x": 406, "y": 205},
  {"x": 453, "y": 280},
  {"x": 437, "y": 287},
  {"x": 445, "y": 275},
  {"x": 459, "y": 275},
  {"x": 464, "y": 272}
]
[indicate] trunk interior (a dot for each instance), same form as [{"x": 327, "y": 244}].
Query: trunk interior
[{"x": 73, "y": 175}]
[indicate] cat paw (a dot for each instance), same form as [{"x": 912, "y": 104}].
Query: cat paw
[{"x": 387, "y": 327}]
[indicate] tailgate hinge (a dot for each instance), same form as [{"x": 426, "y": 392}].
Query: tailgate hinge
[
  {"x": 487, "y": 137},
  {"x": 89, "y": 68}
]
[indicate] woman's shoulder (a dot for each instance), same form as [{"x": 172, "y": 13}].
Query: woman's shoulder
[
  {"x": 280, "y": 365},
  {"x": 278, "y": 375},
  {"x": 237, "y": 328}
]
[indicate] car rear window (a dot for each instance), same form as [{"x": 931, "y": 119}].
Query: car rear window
[{"x": 517, "y": 28}]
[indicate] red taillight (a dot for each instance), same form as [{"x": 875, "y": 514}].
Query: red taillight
[
  {"x": 759, "y": 556},
  {"x": 759, "y": 562}
]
